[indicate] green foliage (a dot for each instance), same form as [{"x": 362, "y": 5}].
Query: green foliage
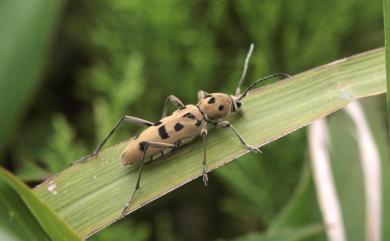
[
  {"x": 25, "y": 217},
  {"x": 119, "y": 232},
  {"x": 259, "y": 187},
  {"x": 294, "y": 234},
  {"x": 60, "y": 146},
  {"x": 23, "y": 50}
]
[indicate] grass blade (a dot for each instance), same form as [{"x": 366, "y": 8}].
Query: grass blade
[
  {"x": 371, "y": 167},
  {"x": 386, "y": 18},
  {"x": 91, "y": 196},
  {"x": 324, "y": 181},
  {"x": 26, "y": 28},
  {"x": 54, "y": 227}
]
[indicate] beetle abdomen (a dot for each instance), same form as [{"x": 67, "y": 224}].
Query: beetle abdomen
[{"x": 183, "y": 124}]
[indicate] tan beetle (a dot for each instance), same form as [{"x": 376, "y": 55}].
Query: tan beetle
[{"x": 182, "y": 126}]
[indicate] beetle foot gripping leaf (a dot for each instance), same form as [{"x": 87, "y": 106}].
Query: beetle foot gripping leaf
[
  {"x": 253, "y": 149},
  {"x": 205, "y": 178}
]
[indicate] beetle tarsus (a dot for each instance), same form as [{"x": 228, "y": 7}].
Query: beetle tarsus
[
  {"x": 124, "y": 211},
  {"x": 253, "y": 149},
  {"x": 84, "y": 159},
  {"x": 205, "y": 178}
]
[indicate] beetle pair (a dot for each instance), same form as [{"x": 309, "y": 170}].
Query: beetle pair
[{"x": 183, "y": 125}]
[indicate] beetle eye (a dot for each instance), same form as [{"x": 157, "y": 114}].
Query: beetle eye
[{"x": 238, "y": 103}]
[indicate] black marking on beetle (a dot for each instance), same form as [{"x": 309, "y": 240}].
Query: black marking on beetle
[
  {"x": 211, "y": 100},
  {"x": 189, "y": 115},
  {"x": 178, "y": 126},
  {"x": 198, "y": 123},
  {"x": 148, "y": 124},
  {"x": 163, "y": 132},
  {"x": 220, "y": 108},
  {"x": 157, "y": 123},
  {"x": 207, "y": 96},
  {"x": 143, "y": 145}
]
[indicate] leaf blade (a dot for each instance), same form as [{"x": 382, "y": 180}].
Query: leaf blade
[
  {"x": 23, "y": 50},
  {"x": 55, "y": 228}
]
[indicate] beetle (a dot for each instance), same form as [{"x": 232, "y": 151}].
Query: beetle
[{"x": 182, "y": 126}]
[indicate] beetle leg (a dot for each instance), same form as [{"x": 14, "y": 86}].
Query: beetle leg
[
  {"x": 204, "y": 170},
  {"x": 126, "y": 208},
  {"x": 175, "y": 101},
  {"x": 137, "y": 185},
  {"x": 126, "y": 118},
  {"x": 227, "y": 124}
]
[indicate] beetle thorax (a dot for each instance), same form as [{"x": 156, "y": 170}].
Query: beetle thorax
[{"x": 216, "y": 106}]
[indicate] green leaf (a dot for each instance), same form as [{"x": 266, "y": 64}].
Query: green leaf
[
  {"x": 16, "y": 220},
  {"x": 25, "y": 217},
  {"x": 26, "y": 28},
  {"x": 375, "y": 110},
  {"x": 91, "y": 195},
  {"x": 386, "y": 18},
  {"x": 294, "y": 234}
]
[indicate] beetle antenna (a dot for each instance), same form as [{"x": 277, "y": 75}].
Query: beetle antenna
[
  {"x": 282, "y": 75},
  {"x": 248, "y": 56}
]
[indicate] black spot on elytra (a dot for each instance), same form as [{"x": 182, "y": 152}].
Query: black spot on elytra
[
  {"x": 163, "y": 132},
  {"x": 143, "y": 145},
  {"x": 178, "y": 126},
  {"x": 189, "y": 115},
  {"x": 198, "y": 123},
  {"x": 211, "y": 100},
  {"x": 220, "y": 107},
  {"x": 157, "y": 123}
]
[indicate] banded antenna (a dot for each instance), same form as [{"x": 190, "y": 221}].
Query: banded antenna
[{"x": 246, "y": 63}]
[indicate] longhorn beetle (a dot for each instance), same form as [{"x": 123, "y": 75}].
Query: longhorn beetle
[{"x": 182, "y": 126}]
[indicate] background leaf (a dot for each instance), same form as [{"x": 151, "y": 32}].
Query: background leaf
[
  {"x": 16, "y": 220},
  {"x": 295, "y": 234},
  {"x": 26, "y": 216},
  {"x": 26, "y": 28}
]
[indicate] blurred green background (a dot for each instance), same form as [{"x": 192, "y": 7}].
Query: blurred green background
[{"x": 70, "y": 69}]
